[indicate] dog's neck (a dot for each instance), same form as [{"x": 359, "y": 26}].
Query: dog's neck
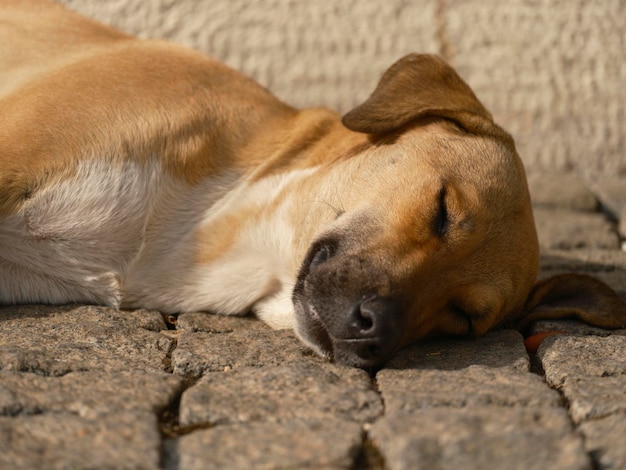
[{"x": 234, "y": 240}]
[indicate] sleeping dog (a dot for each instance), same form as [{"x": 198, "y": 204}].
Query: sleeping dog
[{"x": 138, "y": 173}]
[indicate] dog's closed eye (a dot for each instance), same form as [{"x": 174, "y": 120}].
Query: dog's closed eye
[{"x": 441, "y": 221}]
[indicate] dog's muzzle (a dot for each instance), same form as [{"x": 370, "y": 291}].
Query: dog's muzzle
[{"x": 344, "y": 309}]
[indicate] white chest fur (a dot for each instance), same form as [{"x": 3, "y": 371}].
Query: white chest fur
[
  {"x": 127, "y": 235},
  {"x": 73, "y": 239},
  {"x": 253, "y": 268}
]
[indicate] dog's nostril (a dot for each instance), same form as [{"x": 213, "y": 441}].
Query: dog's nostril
[
  {"x": 366, "y": 322},
  {"x": 365, "y": 316},
  {"x": 375, "y": 316}
]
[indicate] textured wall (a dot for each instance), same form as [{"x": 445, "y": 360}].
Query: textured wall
[{"x": 552, "y": 72}]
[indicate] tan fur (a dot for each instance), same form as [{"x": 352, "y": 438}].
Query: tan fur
[{"x": 138, "y": 173}]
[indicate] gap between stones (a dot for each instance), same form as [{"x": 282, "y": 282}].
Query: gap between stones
[
  {"x": 369, "y": 456},
  {"x": 537, "y": 368},
  {"x": 169, "y": 418}
]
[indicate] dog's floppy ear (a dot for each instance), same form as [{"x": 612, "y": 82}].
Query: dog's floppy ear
[
  {"x": 575, "y": 296},
  {"x": 420, "y": 85}
]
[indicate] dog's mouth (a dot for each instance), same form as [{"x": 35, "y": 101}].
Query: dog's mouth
[
  {"x": 367, "y": 351},
  {"x": 345, "y": 322}
]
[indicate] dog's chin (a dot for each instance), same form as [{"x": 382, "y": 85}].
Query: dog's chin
[{"x": 312, "y": 331}]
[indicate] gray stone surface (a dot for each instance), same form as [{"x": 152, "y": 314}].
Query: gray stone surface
[
  {"x": 561, "y": 191},
  {"x": 595, "y": 397},
  {"x": 80, "y": 338},
  {"x": 594, "y": 357},
  {"x": 495, "y": 349},
  {"x": 83, "y": 419},
  {"x": 590, "y": 371},
  {"x": 86, "y": 394},
  {"x": 480, "y": 438},
  {"x": 210, "y": 323},
  {"x": 414, "y": 389},
  {"x": 604, "y": 439},
  {"x": 281, "y": 393},
  {"x": 116, "y": 440},
  {"x": 329, "y": 444},
  {"x": 563, "y": 229},
  {"x": 200, "y": 352}
]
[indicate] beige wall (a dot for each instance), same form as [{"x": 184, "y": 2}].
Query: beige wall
[{"x": 553, "y": 72}]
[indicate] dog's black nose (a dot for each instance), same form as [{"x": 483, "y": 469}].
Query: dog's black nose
[
  {"x": 372, "y": 317},
  {"x": 373, "y": 330}
]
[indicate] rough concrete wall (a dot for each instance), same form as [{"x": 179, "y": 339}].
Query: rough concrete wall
[{"x": 552, "y": 72}]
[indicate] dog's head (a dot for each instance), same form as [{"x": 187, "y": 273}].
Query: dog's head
[{"x": 435, "y": 235}]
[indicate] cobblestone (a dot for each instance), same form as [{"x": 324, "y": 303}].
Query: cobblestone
[
  {"x": 199, "y": 353},
  {"x": 282, "y": 393},
  {"x": 604, "y": 440},
  {"x": 561, "y": 191},
  {"x": 330, "y": 444},
  {"x": 575, "y": 230},
  {"x": 55, "y": 341},
  {"x": 479, "y": 438},
  {"x": 124, "y": 440}
]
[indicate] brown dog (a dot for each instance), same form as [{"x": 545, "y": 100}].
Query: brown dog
[{"x": 142, "y": 174}]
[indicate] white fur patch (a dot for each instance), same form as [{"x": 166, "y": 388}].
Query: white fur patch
[
  {"x": 253, "y": 274},
  {"x": 124, "y": 235},
  {"x": 72, "y": 240}
]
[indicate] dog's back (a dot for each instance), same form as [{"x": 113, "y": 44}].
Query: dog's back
[{"x": 111, "y": 148}]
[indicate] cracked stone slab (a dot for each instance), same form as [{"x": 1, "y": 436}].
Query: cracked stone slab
[
  {"x": 572, "y": 357},
  {"x": 504, "y": 348},
  {"x": 564, "y": 229},
  {"x": 57, "y": 340},
  {"x": 479, "y": 438},
  {"x": 328, "y": 443},
  {"x": 561, "y": 191},
  {"x": 281, "y": 393},
  {"x": 604, "y": 439},
  {"x": 86, "y": 394},
  {"x": 414, "y": 389},
  {"x": 119, "y": 440},
  {"x": 199, "y": 353},
  {"x": 595, "y": 397}
]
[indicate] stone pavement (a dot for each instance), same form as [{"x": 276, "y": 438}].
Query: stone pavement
[{"x": 94, "y": 388}]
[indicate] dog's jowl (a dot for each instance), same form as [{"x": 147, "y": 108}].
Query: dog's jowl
[{"x": 137, "y": 173}]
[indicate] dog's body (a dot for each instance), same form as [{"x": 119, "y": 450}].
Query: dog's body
[{"x": 142, "y": 174}]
